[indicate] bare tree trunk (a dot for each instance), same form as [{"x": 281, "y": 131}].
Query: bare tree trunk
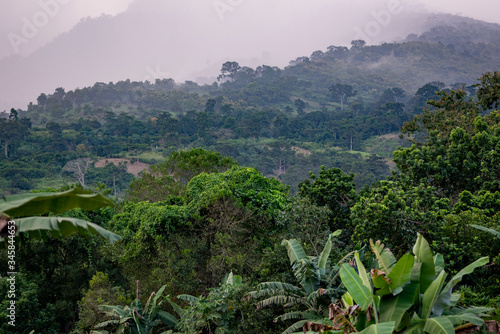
[{"x": 79, "y": 167}]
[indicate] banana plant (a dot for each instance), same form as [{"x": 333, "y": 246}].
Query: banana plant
[
  {"x": 316, "y": 278},
  {"x": 217, "y": 312},
  {"x": 485, "y": 229},
  {"x": 410, "y": 294},
  {"x": 134, "y": 319},
  {"x": 19, "y": 207}
]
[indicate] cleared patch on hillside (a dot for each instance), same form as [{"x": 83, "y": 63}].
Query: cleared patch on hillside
[
  {"x": 384, "y": 145},
  {"x": 301, "y": 151},
  {"x": 133, "y": 168}
]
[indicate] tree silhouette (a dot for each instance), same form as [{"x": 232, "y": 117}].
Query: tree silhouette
[{"x": 340, "y": 93}]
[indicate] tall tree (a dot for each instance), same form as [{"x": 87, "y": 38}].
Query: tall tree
[
  {"x": 300, "y": 105},
  {"x": 340, "y": 93},
  {"x": 489, "y": 90},
  {"x": 11, "y": 131},
  {"x": 228, "y": 70},
  {"x": 79, "y": 168},
  {"x": 171, "y": 177}
]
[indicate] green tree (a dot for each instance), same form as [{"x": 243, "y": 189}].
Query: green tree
[
  {"x": 229, "y": 70},
  {"x": 100, "y": 291},
  {"x": 394, "y": 214},
  {"x": 170, "y": 178},
  {"x": 11, "y": 132},
  {"x": 300, "y": 105},
  {"x": 334, "y": 189},
  {"x": 488, "y": 91},
  {"x": 340, "y": 93},
  {"x": 29, "y": 312},
  {"x": 454, "y": 163}
]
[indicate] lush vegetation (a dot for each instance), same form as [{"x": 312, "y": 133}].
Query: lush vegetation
[{"x": 265, "y": 203}]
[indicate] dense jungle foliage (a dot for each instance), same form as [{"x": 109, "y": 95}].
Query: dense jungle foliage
[{"x": 264, "y": 203}]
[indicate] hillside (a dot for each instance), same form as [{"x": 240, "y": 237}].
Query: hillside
[
  {"x": 257, "y": 115},
  {"x": 251, "y": 204}
]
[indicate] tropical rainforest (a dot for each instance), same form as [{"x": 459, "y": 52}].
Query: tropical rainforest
[{"x": 355, "y": 190}]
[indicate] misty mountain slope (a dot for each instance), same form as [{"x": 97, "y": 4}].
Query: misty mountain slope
[
  {"x": 156, "y": 39},
  {"x": 408, "y": 65},
  {"x": 457, "y": 30},
  {"x": 369, "y": 69}
]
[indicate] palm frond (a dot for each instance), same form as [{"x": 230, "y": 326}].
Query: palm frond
[
  {"x": 276, "y": 300},
  {"x": 295, "y": 326},
  {"x": 275, "y": 288},
  {"x": 295, "y": 250},
  {"x": 485, "y": 229},
  {"x": 298, "y": 315}
]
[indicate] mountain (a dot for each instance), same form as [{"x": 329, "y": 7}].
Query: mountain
[
  {"x": 155, "y": 40},
  {"x": 453, "y": 51},
  {"x": 340, "y": 106}
]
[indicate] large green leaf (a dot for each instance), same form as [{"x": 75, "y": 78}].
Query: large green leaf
[
  {"x": 296, "y": 315},
  {"x": 439, "y": 325},
  {"x": 381, "y": 282},
  {"x": 323, "y": 257},
  {"x": 295, "y": 327},
  {"x": 347, "y": 300},
  {"x": 489, "y": 230},
  {"x": 381, "y": 328},
  {"x": 401, "y": 272},
  {"x": 415, "y": 329},
  {"x": 294, "y": 249},
  {"x": 59, "y": 227},
  {"x": 466, "y": 317},
  {"x": 362, "y": 272},
  {"x": 306, "y": 271},
  {"x": 283, "y": 300},
  {"x": 431, "y": 295},
  {"x": 38, "y": 203},
  {"x": 384, "y": 256},
  {"x": 393, "y": 308},
  {"x": 176, "y": 307},
  {"x": 438, "y": 263},
  {"x": 167, "y": 318},
  {"x": 359, "y": 292},
  {"x": 423, "y": 255},
  {"x": 467, "y": 270},
  {"x": 444, "y": 300},
  {"x": 275, "y": 288}
]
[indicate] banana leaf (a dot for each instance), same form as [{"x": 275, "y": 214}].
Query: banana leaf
[
  {"x": 59, "y": 227},
  {"x": 38, "y": 203}
]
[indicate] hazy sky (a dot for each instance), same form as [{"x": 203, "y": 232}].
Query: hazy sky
[{"x": 44, "y": 44}]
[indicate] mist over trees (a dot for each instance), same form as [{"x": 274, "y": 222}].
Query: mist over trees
[{"x": 326, "y": 195}]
